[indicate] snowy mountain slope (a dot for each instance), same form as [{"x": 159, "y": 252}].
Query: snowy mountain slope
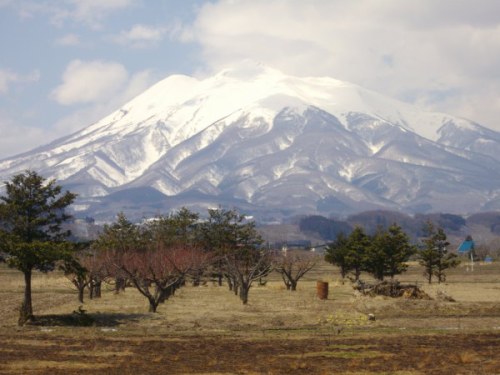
[{"x": 272, "y": 144}]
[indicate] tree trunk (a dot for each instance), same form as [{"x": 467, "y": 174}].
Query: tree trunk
[
  {"x": 285, "y": 281},
  {"x": 244, "y": 294},
  {"x": 293, "y": 285},
  {"x": 152, "y": 305},
  {"x": 97, "y": 289},
  {"x": 81, "y": 289},
  {"x": 197, "y": 280},
  {"x": 357, "y": 274},
  {"x": 120, "y": 283},
  {"x": 26, "y": 311}
]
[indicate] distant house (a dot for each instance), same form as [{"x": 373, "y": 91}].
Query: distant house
[{"x": 467, "y": 246}]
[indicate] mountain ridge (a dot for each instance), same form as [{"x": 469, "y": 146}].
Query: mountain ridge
[{"x": 274, "y": 145}]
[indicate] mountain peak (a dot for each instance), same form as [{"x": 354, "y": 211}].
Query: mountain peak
[
  {"x": 248, "y": 69},
  {"x": 273, "y": 144}
]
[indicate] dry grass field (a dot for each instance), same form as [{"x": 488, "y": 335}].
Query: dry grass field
[{"x": 206, "y": 329}]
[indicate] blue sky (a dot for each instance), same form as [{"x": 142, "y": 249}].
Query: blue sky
[{"x": 67, "y": 63}]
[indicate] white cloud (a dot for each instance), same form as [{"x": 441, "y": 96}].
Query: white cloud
[
  {"x": 18, "y": 136},
  {"x": 90, "y": 81},
  {"x": 12, "y": 132},
  {"x": 89, "y": 12},
  {"x": 68, "y": 40},
  {"x": 84, "y": 116},
  {"x": 140, "y": 36},
  {"x": 8, "y": 77},
  {"x": 443, "y": 54},
  {"x": 13, "y": 129},
  {"x": 92, "y": 12}
]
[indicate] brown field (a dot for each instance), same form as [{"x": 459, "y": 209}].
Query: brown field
[{"x": 206, "y": 330}]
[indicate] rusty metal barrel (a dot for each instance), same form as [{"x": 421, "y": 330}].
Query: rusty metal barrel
[{"x": 322, "y": 289}]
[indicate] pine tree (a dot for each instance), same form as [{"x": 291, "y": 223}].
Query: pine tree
[
  {"x": 434, "y": 256},
  {"x": 388, "y": 253},
  {"x": 336, "y": 254},
  {"x": 31, "y": 215},
  {"x": 349, "y": 253},
  {"x": 236, "y": 245},
  {"x": 358, "y": 243}
]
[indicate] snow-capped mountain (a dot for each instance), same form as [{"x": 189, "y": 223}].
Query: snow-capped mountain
[{"x": 273, "y": 145}]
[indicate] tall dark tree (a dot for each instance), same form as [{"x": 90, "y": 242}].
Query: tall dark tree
[
  {"x": 336, "y": 254},
  {"x": 236, "y": 245},
  {"x": 223, "y": 232},
  {"x": 31, "y": 215},
  {"x": 434, "y": 256},
  {"x": 179, "y": 228},
  {"x": 388, "y": 253},
  {"x": 349, "y": 253},
  {"x": 357, "y": 244}
]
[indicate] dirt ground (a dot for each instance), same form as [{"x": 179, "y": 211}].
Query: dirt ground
[
  {"x": 206, "y": 330},
  {"x": 39, "y": 353}
]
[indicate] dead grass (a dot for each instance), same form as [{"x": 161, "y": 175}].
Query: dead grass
[
  {"x": 271, "y": 307},
  {"x": 101, "y": 353},
  {"x": 296, "y": 326},
  {"x": 23, "y": 367},
  {"x": 340, "y": 354}
]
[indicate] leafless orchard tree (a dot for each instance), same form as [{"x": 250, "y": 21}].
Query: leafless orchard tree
[
  {"x": 77, "y": 274},
  {"x": 293, "y": 265},
  {"x": 245, "y": 266},
  {"x": 157, "y": 272},
  {"x": 94, "y": 263}
]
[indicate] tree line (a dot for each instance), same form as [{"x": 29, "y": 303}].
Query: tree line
[
  {"x": 386, "y": 253},
  {"x": 162, "y": 255},
  {"x": 156, "y": 258}
]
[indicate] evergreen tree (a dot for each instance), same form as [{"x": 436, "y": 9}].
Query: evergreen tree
[
  {"x": 349, "y": 253},
  {"x": 175, "y": 229},
  {"x": 236, "y": 245},
  {"x": 336, "y": 254},
  {"x": 358, "y": 243},
  {"x": 388, "y": 253},
  {"x": 31, "y": 215},
  {"x": 434, "y": 256}
]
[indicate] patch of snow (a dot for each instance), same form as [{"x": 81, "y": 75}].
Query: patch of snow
[
  {"x": 347, "y": 172},
  {"x": 80, "y": 207},
  {"x": 166, "y": 188}
]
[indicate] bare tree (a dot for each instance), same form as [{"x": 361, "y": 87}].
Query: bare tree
[
  {"x": 292, "y": 266},
  {"x": 157, "y": 272},
  {"x": 117, "y": 239},
  {"x": 77, "y": 274},
  {"x": 95, "y": 263},
  {"x": 247, "y": 265}
]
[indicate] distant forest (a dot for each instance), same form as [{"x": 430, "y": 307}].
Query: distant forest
[{"x": 328, "y": 228}]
